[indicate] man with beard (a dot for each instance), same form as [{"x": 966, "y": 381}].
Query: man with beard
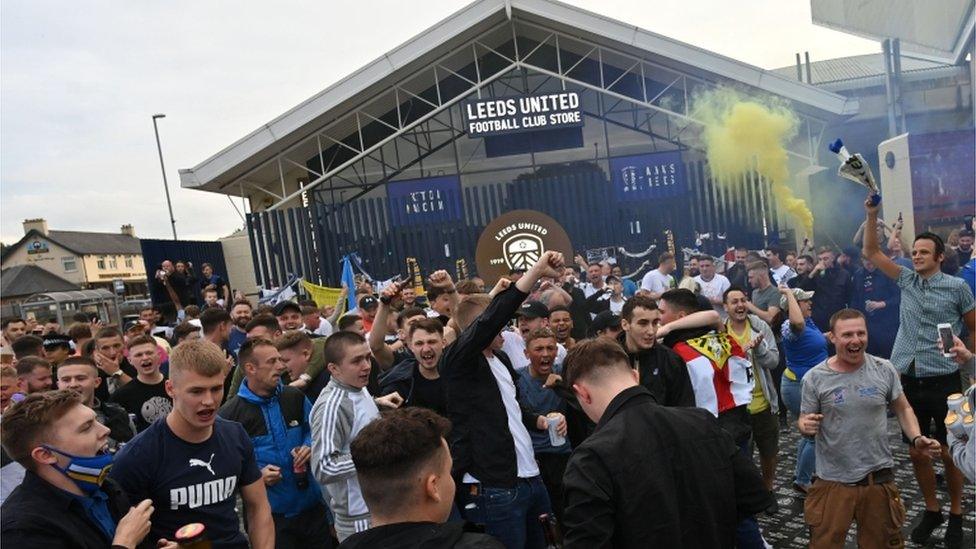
[
  {"x": 240, "y": 315},
  {"x": 594, "y": 279},
  {"x": 561, "y": 322},
  {"x": 145, "y": 396},
  {"x": 193, "y": 464},
  {"x": 738, "y": 274},
  {"x": 536, "y": 384},
  {"x": 757, "y": 341},
  {"x": 34, "y": 374},
  {"x": 78, "y": 374},
  {"x": 660, "y": 280},
  {"x": 662, "y": 372},
  {"x": 804, "y": 265},
  {"x": 965, "y": 249},
  {"x": 13, "y": 329},
  {"x": 845, "y": 403},
  {"x": 416, "y": 379}
]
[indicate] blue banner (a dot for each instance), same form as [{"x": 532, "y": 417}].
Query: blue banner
[
  {"x": 419, "y": 201},
  {"x": 654, "y": 175}
]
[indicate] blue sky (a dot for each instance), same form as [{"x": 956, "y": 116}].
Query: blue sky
[{"x": 79, "y": 82}]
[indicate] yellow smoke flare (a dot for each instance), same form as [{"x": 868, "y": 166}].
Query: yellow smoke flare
[{"x": 739, "y": 131}]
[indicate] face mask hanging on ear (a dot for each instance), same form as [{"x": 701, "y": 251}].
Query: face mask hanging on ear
[{"x": 87, "y": 472}]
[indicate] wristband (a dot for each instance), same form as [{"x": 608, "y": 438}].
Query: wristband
[
  {"x": 305, "y": 377},
  {"x": 914, "y": 440}
]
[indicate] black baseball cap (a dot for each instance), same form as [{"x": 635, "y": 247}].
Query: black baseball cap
[
  {"x": 533, "y": 309},
  {"x": 368, "y": 302},
  {"x": 283, "y": 306},
  {"x": 604, "y": 320}
]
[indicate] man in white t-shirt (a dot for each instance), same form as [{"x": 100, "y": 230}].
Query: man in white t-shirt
[
  {"x": 594, "y": 280},
  {"x": 712, "y": 285},
  {"x": 660, "y": 280}
]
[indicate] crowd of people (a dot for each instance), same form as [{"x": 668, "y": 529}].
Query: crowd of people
[{"x": 567, "y": 405}]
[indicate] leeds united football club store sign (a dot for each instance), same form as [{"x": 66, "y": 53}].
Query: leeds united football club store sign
[
  {"x": 484, "y": 117},
  {"x": 516, "y": 240}
]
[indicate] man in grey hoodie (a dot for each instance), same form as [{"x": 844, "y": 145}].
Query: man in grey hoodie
[{"x": 756, "y": 339}]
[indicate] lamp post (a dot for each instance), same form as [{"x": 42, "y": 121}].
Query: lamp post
[{"x": 162, "y": 166}]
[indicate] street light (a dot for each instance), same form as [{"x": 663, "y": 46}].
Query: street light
[{"x": 162, "y": 166}]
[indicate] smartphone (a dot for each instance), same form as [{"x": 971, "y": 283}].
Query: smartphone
[{"x": 945, "y": 335}]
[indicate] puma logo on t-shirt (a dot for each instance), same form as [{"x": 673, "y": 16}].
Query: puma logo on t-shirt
[{"x": 206, "y": 464}]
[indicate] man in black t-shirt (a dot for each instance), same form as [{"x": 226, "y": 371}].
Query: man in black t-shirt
[
  {"x": 416, "y": 378},
  {"x": 193, "y": 464},
  {"x": 145, "y": 396}
]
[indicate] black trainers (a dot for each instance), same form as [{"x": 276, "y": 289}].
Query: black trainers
[
  {"x": 930, "y": 521},
  {"x": 953, "y": 535}
]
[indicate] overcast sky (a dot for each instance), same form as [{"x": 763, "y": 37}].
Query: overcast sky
[{"x": 79, "y": 82}]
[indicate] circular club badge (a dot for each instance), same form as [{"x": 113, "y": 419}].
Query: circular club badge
[{"x": 516, "y": 240}]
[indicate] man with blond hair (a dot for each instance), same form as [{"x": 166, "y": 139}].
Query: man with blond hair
[{"x": 193, "y": 463}]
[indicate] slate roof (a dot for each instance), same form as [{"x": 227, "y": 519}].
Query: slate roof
[
  {"x": 96, "y": 243},
  {"x": 25, "y": 280}
]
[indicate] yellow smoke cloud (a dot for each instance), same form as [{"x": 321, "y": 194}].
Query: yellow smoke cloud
[{"x": 739, "y": 131}]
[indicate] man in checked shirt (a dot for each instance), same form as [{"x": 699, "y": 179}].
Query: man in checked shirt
[{"x": 929, "y": 297}]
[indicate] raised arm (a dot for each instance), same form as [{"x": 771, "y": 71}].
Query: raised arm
[
  {"x": 872, "y": 250},
  {"x": 382, "y": 351},
  {"x": 795, "y": 315},
  {"x": 768, "y": 315},
  {"x": 340, "y": 306},
  {"x": 442, "y": 279}
]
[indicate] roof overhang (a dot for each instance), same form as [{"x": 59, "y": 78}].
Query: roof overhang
[
  {"x": 940, "y": 31},
  {"x": 217, "y": 172}
]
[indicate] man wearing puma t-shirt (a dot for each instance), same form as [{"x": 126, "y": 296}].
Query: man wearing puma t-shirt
[{"x": 193, "y": 464}]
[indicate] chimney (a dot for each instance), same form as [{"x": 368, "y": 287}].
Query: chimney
[
  {"x": 129, "y": 230},
  {"x": 39, "y": 225}
]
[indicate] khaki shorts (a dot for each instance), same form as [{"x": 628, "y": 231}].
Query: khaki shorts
[{"x": 830, "y": 508}]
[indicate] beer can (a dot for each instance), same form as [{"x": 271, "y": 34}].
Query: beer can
[
  {"x": 955, "y": 402},
  {"x": 954, "y": 423},
  {"x": 554, "y": 438}
]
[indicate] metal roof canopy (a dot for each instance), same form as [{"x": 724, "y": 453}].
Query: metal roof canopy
[
  {"x": 339, "y": 112},
  {"x": 77, "y": 296},
  {"x": 940, "y": 30}
]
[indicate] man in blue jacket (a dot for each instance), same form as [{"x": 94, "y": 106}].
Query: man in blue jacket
[{"x": 275, "y": 416}]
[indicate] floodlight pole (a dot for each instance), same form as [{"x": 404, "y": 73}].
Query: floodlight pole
[{"x": 159, "y": 148}]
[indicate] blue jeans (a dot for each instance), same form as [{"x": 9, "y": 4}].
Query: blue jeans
[
  {"x": 511, "y": 515},
  {"x": 806, "y": 450}
]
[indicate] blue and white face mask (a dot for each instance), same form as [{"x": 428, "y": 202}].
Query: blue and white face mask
[{"x": 87, "y": 472}]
